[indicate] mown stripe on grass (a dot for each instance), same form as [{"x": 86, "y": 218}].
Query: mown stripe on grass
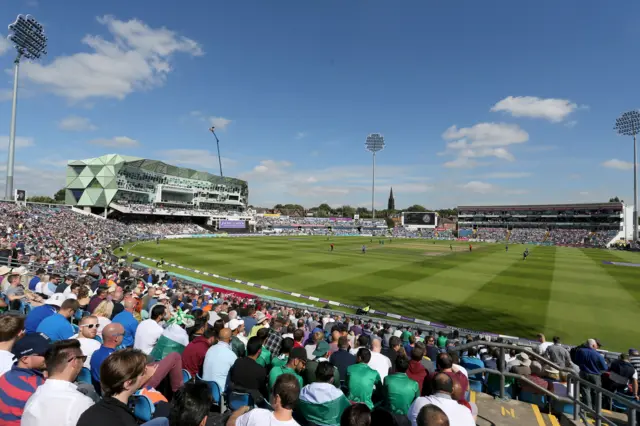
[{"x": 627, "y": 278}]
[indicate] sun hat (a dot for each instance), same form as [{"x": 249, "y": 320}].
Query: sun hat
[
  {"x": 523, "y": 359},
  {"x": 260, "y": 317}
]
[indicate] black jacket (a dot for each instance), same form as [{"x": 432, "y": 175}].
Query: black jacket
[{"x": 108, "y": 412}]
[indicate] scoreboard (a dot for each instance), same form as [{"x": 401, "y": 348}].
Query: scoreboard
[{"x": 420, "y": 219}]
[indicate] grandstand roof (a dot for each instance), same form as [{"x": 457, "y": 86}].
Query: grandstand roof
[{"x": 565, "y": 206}]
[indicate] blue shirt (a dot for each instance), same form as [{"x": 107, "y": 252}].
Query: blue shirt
[
  {"x": 56, "y": 327},
  {"x": 16, "y": 386},
  {"x": 217, "y": 363},
  {"x": 34, "y": 281},
  {"x": 130, "y": 325},
  {"x": 35, "y": 317},
  {"x": 249, "y": 322},
  {"x": 97, "y": 358},
  {"x": 472, "y": 363},
  {"x": 170, "y": 283},
  {"x": 590, "y": 361}
]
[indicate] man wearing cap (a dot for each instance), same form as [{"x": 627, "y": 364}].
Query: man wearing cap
[
  {"x": 19, "y": 383},
  {"x": 57, "y": 326},
  {"x": 295, "y": 365},
  {"x": 458, "y": 415},
  {"x": 260, "y": 318},
  {"x": 219, "y": 360},
  {"x": 320, "y": 354},
  {"x": 521, "y": 365},
  {"x": 37, "y": 315},
  {"x": 237, "y": 345}
]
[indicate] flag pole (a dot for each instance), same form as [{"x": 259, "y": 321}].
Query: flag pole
[{"x": 212, "y": 129}]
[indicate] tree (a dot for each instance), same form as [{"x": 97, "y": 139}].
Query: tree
[
  {"x": 614, "y": 200},
  {"x": 60, "y": 196},
  {"x": 417, "y": 208},
  {"x": 348, "y": 211},
  {"x": 41, "y": 199}
]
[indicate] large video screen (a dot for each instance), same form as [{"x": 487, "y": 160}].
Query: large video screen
[
  {"x": 420, "y": 218},
  {"x": 232, "y": 224}
]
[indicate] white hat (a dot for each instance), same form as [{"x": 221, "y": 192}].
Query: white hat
[
  {"x": 56, "y": 300},
  {"x": 163, "y": 297},
  {"x": 4, "y": 270},
  {"x": 235, "y": 323},
  {"x": 20, "y": 271}
]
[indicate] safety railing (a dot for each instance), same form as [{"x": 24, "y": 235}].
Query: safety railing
[{"x": 575, "y": 385}]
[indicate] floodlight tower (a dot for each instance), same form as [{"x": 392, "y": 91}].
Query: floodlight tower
[
  {"x": 628, "y": 124},
  {"x": 374, "y": 143},
  {"x": 28, "y": 37},
  {"x": 213, "y": 130}
]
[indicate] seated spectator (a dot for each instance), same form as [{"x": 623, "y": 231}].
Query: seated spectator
[
  {"x": 247, "y": 375},
  {"x": 444, "y": 363},
  {"x": 443, "y": 388},
  {"x": 260, "y": 320},
  {"x": 150, "y": 330},
  {"x": 294, "y": 366},
  {"x": 399, "y": 390},
  {"x": 472, "y": 361},
  {"x": 363, "y": 342},
  {"x": 57, "y": 326},
  {"x": 311, "y": 347},
  {"x": 272, "y": 342},
  {"x": 37, "y": 315},
  {"x": 190, "y": 405},
  {"x": 536, "y": 377},
  {"x": 103, "y": 312},
  {"x": 121, "y": 374},
  {"x": 320, "y": 354},
  {"x": 112, "y": 336},
  {"x": 18, "y": 384},
  {"x": 219, "y": 360},
  {"x": 321, "y": 403},
  {"x": 40, "y": 272},
  {"x": 58, "y": 401},
  {"x": 265, "y": 354},
  {"x": 520, "y": 365},
  {"x": 409, "y": 344},
  {"x": 11, "y": 327},
  {"x": 416, "y": 370},
  {"x": 342, "y": 358},
  {"x": 356, "y": 415},
  {"x": 362, "y": 379},
  {"x": 432, "y": 350},
  {"x": 129, "y": 323},
  {"x": 622, "y": 377},
  {"x": 379, "y": 362},
  {"x": 238, "y": 341},
  {"x": 285, "y": 348},
  {"x": 432, "y": 415},
  {"x": 87, "y": 337},
  {"x": 284, "y": 397},
  {"x": 395, "y": 344},
  {"x": 97, "y": 299},
  {"x": 299, "y": 336},
  {"x": 194, "y": 354}
]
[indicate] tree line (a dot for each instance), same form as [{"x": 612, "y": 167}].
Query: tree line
[{"x": 325, "y": 210}]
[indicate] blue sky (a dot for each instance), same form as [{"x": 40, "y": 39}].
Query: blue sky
[{"x": 479, "y": 102}]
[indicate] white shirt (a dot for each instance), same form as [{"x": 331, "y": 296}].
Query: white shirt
[
  {"x": 542, "y": 348},
  {"x": 147, "y": 335},
  {"x": 88, "y": 346},
  {"x": 261, "y": 417},
  {"x": 43, "y": 288},
  {"x": 56, "y": 402},
  {"x": 380, "y": 363},
  {"x": 458, "y": 415},
  {"x": 6, "y": 361}
]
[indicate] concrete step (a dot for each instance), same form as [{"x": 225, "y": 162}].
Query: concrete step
[{"x": 494, "y": 412}]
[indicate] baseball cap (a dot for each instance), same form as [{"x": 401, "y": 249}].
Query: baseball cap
[
  {"x": 235, "y": 323},
  {"x": 31, "y": 344},
  {"x": 298, "y": 353},
  {"x": 321, "y": 349},
  {"x": 56, "y": 299}
]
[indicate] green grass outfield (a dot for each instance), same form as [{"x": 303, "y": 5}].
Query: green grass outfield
[{"x": 559, "y": 291}]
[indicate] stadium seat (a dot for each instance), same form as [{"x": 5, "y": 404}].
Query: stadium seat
[
  {"x": 142, "y": 407},
  {"x": 237, "y": 400},
  {"x": 216, "y": 393},
  {"x": 533, "y": 398},
  {"x": 617, "y": 406},
  {"x": 476, "y": 385},
  {"x": 84, "y": 376},
  {"x": 186, "y": 376}
]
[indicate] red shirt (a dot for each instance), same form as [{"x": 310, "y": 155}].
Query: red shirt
[
  {"x": 417, "y": 372},
  {"x": 193, "y": 355}
]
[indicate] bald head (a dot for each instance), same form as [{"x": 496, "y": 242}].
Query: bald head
[
  {"x": 225, "y": 335},
  {"x": 376, "y": 345},
  {"x": 112, "y": 334},
  {"x": 129, "y": 304}
]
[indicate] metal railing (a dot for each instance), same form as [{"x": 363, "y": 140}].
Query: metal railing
[{"x": 573, "y": 382}]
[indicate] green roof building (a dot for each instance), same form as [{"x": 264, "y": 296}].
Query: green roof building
[{"x": 136, "y": 184}]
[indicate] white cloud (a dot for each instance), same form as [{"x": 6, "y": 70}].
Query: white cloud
[
  {"x": 220, "y": 123},
  {"x": 477, "y": 186},
  {"x": 5, "y": 45},
  {"x": 116, "y": 142},
  {"x": 21, "y": 142},
  {"x": 300, "y": 135},
  {"x": 74, "y": 123},
  {"x": 506, "y": 175},
  {"x": 618, "y": 164},
  {"x": 550, "y": 109},
  {"x": 198, "y": 158},
  {"x": 138, "y": 58},
  {"x": 480, "y": 141}
]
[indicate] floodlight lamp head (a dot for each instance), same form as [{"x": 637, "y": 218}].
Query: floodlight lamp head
[
  {"x": 27, "y": 35},
  {"x": 374, "y": 142},
  {"x": 628, "y": 124}
]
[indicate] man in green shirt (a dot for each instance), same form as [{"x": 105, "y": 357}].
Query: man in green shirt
[
  {"x": 265, "y": 354},
  {"x": 399, "y": 390},
  {"x": 285, "y": 348},
  {"x": 237, "y": 346},
  {"x": 362, "y": 379},
  {"x": 296, "y": 363},
  {"x": 442, "y": 340}
]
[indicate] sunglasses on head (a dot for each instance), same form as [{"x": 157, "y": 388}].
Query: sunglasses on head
[
  {"x": 90, "y": 325},
  {"x": 83, "y": 358}
]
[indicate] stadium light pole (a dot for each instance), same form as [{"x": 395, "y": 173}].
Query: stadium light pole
[
  {"x": 628, "y": 124},
  {"x": 213, "y": 130},
  {"x": 27, "y": 35},
  {"x": 374, "y": 143}
]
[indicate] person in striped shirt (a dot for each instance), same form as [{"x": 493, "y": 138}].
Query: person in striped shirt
[{"x": 19, "y": 383}]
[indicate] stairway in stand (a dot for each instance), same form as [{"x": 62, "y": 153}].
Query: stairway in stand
[{"x": 495, "y": 412}]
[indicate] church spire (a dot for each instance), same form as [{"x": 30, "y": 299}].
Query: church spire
[{"x": 392, "y": 201}]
